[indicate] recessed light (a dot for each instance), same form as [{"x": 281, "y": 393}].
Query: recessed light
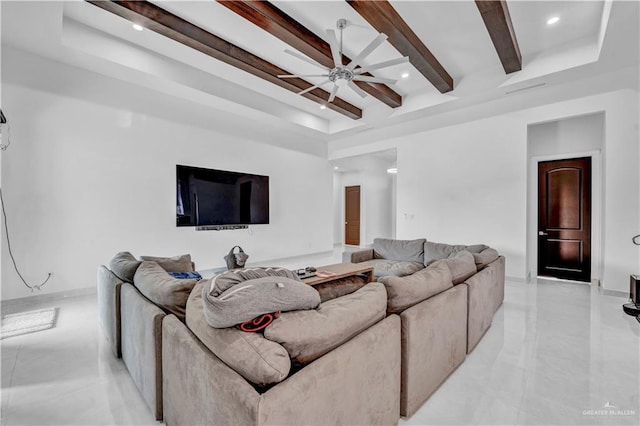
[
  {"x": 393, "y": 170},
  {"x": 323, "y": 106},
  {"x": 553, "y": 20},
  {"x": 405, "y": 75},
  {"x": 137, "y": 27},
  {"x": 335, "y": 167}
]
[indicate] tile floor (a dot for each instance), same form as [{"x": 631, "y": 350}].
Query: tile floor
[{"x": 557, "y": 353}]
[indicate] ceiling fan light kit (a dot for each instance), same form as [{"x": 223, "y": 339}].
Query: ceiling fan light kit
[{"x": 345, "y": 75}]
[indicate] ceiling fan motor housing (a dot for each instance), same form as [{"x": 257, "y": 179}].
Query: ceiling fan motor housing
[{"x": 341, "y": 76}]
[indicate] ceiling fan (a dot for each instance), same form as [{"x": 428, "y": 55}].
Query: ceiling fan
[{"x": 345, "y": 75}]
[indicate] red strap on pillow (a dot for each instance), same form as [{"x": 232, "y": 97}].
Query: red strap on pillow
[{"x": 258, "y": 323}]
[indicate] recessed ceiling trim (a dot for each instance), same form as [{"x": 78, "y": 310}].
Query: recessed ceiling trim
[
  {"x": 273, "y": 20},
  {"x": 163, "y": 22},
  {"x": 383, "y": 17},
  {"x": 495, "y": 14}
]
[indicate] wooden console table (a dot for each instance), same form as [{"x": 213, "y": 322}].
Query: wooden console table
[{"x": 341, "y": 270}]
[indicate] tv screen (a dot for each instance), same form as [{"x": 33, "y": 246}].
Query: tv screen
[{"x": 219, "y": 197}]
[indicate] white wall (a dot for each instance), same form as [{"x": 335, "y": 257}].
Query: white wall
[
  {"x": 468, "y": 183},
  {"x": 376, "y": 201},
  {"x": 82, "y": 181}
]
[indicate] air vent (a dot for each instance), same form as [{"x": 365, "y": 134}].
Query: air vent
[{"x": 522, "y": 89}]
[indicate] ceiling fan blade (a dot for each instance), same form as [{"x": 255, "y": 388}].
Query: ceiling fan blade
[
  {"x": 333, "y": 93},
  {"x": 313, "y": 87},
  {"x": 335, "y": 48},
  {"x": 367, "y": 50},
  {"x": 304, "y": 58},
  {"x": 302, "y": 75},
  {"x": 374, "y": 79},
  {"x": 358, "y": 90},
  {"x": 381, "y": 65}
]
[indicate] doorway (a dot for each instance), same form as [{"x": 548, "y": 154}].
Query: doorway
[
  {"x": 564, "y": 219},
  {"x": 352, "y": 215}
]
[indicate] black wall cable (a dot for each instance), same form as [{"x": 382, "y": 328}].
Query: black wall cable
[{"x": 6, "y": 229}]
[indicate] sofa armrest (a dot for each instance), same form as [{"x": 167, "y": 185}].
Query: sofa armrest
[
  {"x": 356, "y": 383},
  {"x": 108, "y": 291},
  {"x": 198, "y": 387},
  {"x": 357, "y": 256}
]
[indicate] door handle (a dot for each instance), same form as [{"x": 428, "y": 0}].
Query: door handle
[
  {"x": 346, "y": 223},
  {"x": 542, "y": 233}
]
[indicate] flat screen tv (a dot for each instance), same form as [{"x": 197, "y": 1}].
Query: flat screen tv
[{"x": 219, "y": 197}]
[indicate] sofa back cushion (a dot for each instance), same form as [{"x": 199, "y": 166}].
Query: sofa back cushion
[
  {"x": 485, "y": 257},
  {"x": 157, "y": 285},
  {"x": 124, "y": 265},
  {"x": 462, "y": 265},
  {"x": 404, "y": 292},
  {"x": 309, "y": 334},
  {"x": 437, "y": 251},
  {"x": 406, "y": 250},
  {"x": 180, "y": 263},
  {"x": 259, "y": 360}
]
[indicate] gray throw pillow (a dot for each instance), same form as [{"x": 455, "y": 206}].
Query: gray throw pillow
[
  {"x": 485, "y": 257},
  {"x": 157, "y": 285},
  {"x": 124, "y": 265},
  {"x": 406, "y": 250},
  {"x": 254, "y": 297},
  {"x": 172, "y": 264},
  {"x": 462, "y": 265}
]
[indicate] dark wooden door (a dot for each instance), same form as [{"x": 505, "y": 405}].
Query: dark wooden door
[
  {"x": 564, "y": 219},
  {"x": 352, "y": 215}
]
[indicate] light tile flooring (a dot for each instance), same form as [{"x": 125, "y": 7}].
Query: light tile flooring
[{"x": 557, "y": 353}]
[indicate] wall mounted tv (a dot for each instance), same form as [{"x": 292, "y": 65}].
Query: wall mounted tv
[{"x": 218, "y": 197}]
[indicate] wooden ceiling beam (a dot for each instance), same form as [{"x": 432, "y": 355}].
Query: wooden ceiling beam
[
  {"x": 273, "y": 20},
  {"x": 383, "y": 17},
  {"x": 495, "y": 15},
  {"x": 163, "y": 22}
]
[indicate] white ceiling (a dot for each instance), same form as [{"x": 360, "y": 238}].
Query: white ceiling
[{"x": 86, "y": 36}]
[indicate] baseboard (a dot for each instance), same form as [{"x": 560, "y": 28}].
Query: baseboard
[{"x": 41, "y": 298}]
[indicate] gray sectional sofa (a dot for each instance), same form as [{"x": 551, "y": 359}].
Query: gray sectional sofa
[
  {"x": 362, "y": 358},
  {"x": 312, "y": 372},
  {"x": 446, "y": 296}
]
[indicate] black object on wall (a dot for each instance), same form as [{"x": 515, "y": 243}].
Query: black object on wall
[{"x": 207, "y": 197}]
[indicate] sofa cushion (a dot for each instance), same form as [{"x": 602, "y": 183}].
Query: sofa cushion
[
  {"x": 259, "y": 360},
  {"x": 252, "y": 297},
  {"x": 172, "y": 264},
  {"x": 157, "y": 285},
  {"x": 124, "y": 265},
  {"x": 437, "y": 251},
  {"x": 395, "y": 268},
  {"x": 485, "y": 257},
  {"x": 309, "y": 334},
  {"x": 476, "y": 248},
  {"x": 462, "y": 265},
  {"x": 406, "y": 250},
  {"x": 404, "y": 292}
]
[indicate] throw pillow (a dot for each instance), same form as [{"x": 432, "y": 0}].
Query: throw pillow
[
  {"x": 259, "y": 360},
  {"x": 252, "y": 297},
  {"x": 404, "y": 292},
  {"x": 309, "y": 334},
  {"x": 462, "y": 265},
  {"x": 172, "y": 264},
  {"x": 157, "y": 285},
  {"x": 485, "y": 257},
  {"x": 124, "y": 265},
  {"x": 406, "y": 250}
]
